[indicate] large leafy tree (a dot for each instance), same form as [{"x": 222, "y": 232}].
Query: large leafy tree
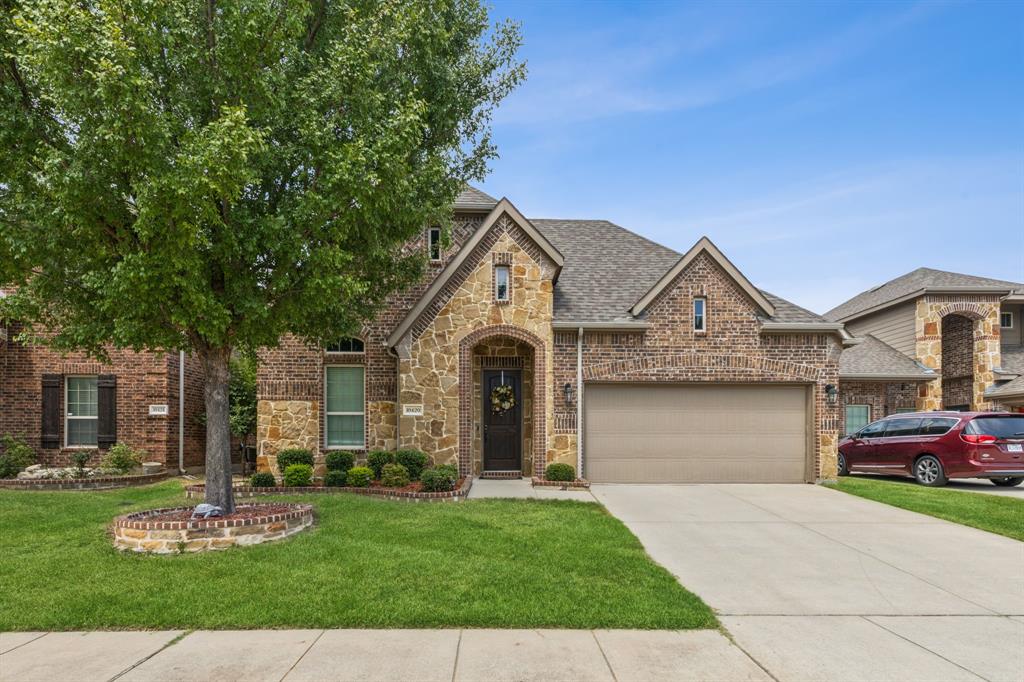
[{"x": 211, "y": 176}]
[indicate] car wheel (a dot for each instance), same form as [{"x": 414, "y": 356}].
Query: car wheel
[
  {"x": 841, "y": 465},
  {"x": 1008, "y": 482},
  {"x": 928, "y": 471}
]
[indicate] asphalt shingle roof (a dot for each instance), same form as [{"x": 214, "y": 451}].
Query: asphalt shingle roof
[
  {"x": 872, "y": 357},
  {"x": 470, "y": 198},
  {"x": 1012, "y": 359},
  {"x": 1010, "y": 388},
  {"x": 909, "y": 283}
]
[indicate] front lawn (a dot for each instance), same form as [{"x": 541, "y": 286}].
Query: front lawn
[
  {"x": 366, "y": 563},
  {"x": 994, "y": 513}
]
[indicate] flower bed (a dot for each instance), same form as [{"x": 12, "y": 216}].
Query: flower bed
[
  {"x": 172, "y": 530},
  {"x": 104, "y": 482},
  {"x": 578, "y": 484},
  {"x": 409, "y": 493}
]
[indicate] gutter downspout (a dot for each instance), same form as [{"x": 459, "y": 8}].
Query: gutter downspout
[
  {"x": 579, "y": 403},
  {"x": 181, "y": 411}
]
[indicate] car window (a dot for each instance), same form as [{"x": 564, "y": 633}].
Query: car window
[
  {"x": 936, "y": 426},
  {"x": 873, "y": 430},
  {"x": 902, "y": 427},
  {"x": 1000, "y": 427}
]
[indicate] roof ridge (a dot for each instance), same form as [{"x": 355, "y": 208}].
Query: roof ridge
[{"x": 613, "y": 224}]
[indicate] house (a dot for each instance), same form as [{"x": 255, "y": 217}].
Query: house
[
  {"x": 537, "y": 341},
  {"x": 64, "y": 403},
  {"x": 932, "y": 340}
]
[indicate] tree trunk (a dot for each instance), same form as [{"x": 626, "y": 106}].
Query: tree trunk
[{"x": 216, "y": 375}]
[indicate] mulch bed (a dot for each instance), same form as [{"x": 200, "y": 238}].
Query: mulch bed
[
  {"x": 245, "y": 511},
  {"x": 412, "y": 492}
]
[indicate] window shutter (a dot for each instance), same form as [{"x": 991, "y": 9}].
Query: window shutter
[
  {"x": 51, "y": 411},
  {"x": 106, "y": 411}
]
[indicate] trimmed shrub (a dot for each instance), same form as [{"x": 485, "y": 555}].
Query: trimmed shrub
[
  {"x": 339, "y": 460},
  {"x": 359, "y": 477},
  {"x": 335, "y": 478},
  {"x": 290, "y": 456},
  {"x": 414, "y": 462},
  {"x": 377, "y": 460},
  {"x": 122, "y": 458},
  {"x": 16, "y": 456},
  {"x": 81, "y": 458},
  {"x": 560, "y": 472},
  {"x": 439, "y": 479},
  {"x": 263, "y": 479},
  {"x": 394, "y": 476},
  {"x": 298, "y": 475}
]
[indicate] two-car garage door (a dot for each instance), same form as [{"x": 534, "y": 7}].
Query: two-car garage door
[{"x": 662, "y": 433}]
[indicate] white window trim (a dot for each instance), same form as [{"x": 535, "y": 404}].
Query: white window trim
[
  {"x": 508, "y": 282},
  {"x": 344, "y": 414},
  {"x": 348, "y": 352},
  {"x": 703, "y": 315},
  {"x": 68, "y": 417},
  {"x": 846, "y": 427},
  {"x": 1009, "y": 326},
  {"x": 430, "y": 250}
]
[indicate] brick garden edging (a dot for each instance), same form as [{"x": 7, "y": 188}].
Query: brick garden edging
[
  {"x": 578, "y": 484},
  {"x": 195, "y": 491},
  {"x": 137, "y": 533},
  {"x": 97, "y": 483}
]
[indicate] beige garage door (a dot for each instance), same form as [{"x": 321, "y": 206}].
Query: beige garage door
[{"x": 637, "y": 433}]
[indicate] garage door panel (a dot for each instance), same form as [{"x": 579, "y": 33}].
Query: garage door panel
[{"x": 709, "y": 433}]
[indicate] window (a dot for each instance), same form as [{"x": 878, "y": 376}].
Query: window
[
  {"x": 344, "y": 387},
  {"x": 902, "y": 427},
  {"x": 1006, "y": 320},
  {"x": 1010, "y": 427},
  {"x": 873, "y": 430},
  {"x": 936, "y": 426},
  {"x": 699, "y": 314},
  {"x": 434, "y": 243},
  {"x": 80, "y": 412},
  {"x": 352, "y": 345},
  {"x": 501, "y": 283},
  {"x": 857, "y": 417}
]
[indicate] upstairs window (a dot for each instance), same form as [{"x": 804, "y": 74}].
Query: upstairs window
[
  {"x": 700, "y": 306},
  {"x": 501, "y": 283},
  {"x": 352, "y": 345},
  {"x": 434, "y": 243},
  {"x": 1006, "y": 320}
]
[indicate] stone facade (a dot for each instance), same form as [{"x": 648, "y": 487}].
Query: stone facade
[{"x": 283, "y": 424}]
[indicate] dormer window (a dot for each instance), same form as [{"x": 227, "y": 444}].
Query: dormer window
[
  {"x": 700, "y": 310},
  {"x": 352, "y": 345},
  {"x": 501, "y": 283},
  {"x": 434, "y": 243}
]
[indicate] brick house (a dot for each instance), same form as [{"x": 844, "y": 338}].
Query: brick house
[
  {"x": 537, "y": 341},
  {"x": 932, "y": 340}
]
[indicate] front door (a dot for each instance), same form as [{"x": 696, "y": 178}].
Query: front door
[{"x": 502, "y": 436}]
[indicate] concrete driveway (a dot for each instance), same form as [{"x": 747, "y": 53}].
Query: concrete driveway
[{"x": 817, "y": 584}]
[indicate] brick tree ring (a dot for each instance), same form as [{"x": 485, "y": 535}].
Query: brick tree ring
[{"x": 172, "y": 530}]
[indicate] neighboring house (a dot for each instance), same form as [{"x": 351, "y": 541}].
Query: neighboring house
[
  {"x": 932, "y": 340},
  {"x": 63, "y": 403},
  {"x": 621, "y": 357}
]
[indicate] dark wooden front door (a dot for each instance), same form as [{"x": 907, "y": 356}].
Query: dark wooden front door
[{"x": 503, "y": 440}]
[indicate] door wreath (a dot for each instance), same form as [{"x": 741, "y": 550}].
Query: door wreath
[{"x": 502, "y": 399}]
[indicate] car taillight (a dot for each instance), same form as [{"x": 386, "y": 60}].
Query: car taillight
[{"x": 978, "y": 438}]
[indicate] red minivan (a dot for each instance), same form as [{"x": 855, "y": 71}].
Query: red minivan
[{"x": 934, "y": 447}]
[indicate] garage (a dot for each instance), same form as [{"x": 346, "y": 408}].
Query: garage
[{"x": 666, "y": 433}]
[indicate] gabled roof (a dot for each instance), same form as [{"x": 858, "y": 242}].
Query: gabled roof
[
  {"x": 914, "y": 284},
  {"x": 1009, "y": 390},
  {"x": 704, "y": 245},
  {"x": 472, "y": 199},
  {"x": 874, "y": 359},
  {"x": 501, "y": 208}
]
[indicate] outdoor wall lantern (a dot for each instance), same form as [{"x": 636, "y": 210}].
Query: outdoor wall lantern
[
  {"x": 567, "y": 389},
  {"x": 832, "y": 393}
]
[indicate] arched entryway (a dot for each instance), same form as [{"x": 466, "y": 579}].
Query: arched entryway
[{"x": 957, "y": 362}]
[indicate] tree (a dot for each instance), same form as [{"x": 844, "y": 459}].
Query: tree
[{"x": 212, "y": 176}]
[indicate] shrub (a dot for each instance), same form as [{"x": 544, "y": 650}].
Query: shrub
[
  {"x": 298, "y": 475},
  {"x": 376, "y": 461},
  {"x": 81, "y": 458},
  {"x": 439, "y": 479},
  {"x": 359, "y": 477},
  {"x": 122, "y": 458},
  {"x": 335, "y": 478},
  {"x": 560, "y": 472},
  {"x": 414, "y": 462},
  {"x": 290, "y": 456},
  {"x": 394, "y": 476},
  {"x": 16, "y": 456},
  {"x": 263, "y": 479},
  {"x": 339, "y": 460}
]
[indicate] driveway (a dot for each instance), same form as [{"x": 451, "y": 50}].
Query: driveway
[{"x": 816, "y": 584}]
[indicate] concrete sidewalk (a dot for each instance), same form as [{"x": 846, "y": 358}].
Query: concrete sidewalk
[{"x": 386, "y": 655}]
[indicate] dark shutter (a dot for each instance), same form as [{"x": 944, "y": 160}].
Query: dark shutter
[
  {"x": 106, "y": 411},
  {"x": 51, "y": 411}
]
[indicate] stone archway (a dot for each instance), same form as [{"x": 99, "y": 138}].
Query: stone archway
[{"x": 957, "y": 347}]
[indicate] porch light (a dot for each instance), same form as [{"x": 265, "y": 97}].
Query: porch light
[
  {"x": 831, "y": 393},
  {"x": 567, "y": 389}
]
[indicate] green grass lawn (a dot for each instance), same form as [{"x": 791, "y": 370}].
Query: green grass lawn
[
  {"x": 366, "y": 563},
  {"x": 994, "y": 513}
]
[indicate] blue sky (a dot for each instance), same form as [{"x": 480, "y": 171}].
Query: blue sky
[{"x": 825, "y": 148}]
